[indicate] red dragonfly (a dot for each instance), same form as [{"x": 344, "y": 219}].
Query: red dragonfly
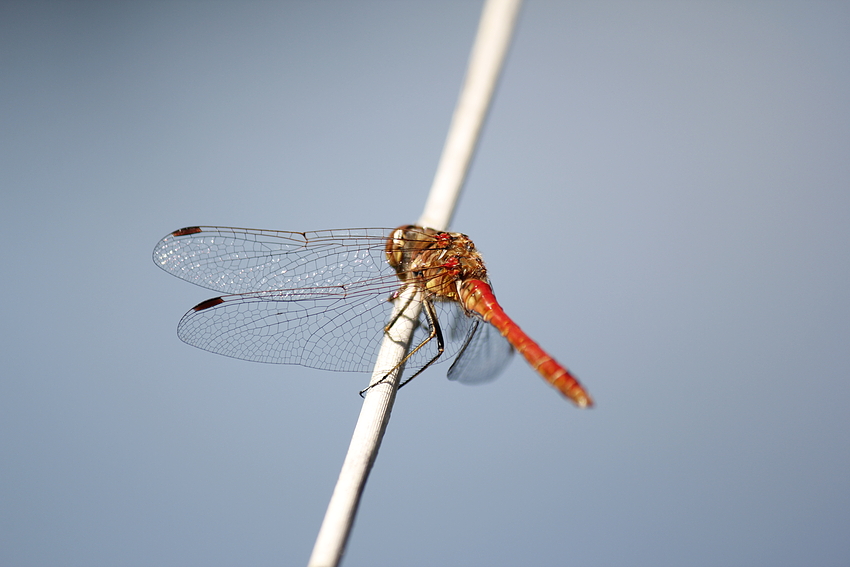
[{"x": 322, "y": 300}]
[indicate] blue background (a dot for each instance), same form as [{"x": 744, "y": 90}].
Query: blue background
[{"x": 662, "y": 193}]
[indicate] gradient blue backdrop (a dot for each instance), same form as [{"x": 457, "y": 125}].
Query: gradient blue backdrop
[{"x": 662, "y": 194}]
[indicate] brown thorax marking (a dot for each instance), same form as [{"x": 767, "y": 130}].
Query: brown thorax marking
[{"x": 438, "y": 262}]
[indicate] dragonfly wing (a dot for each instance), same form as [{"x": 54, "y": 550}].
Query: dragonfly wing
[
  {"x": 241, "y": 260},
  {"x": 335, "y": 328},
  {"x": 318, "y": 299},
  {"x": 331, "y": 329},
  {"x": 483, "y": 356}
]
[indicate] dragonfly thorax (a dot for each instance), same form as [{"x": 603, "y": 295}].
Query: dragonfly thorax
[{"x": 436, "y": 261}]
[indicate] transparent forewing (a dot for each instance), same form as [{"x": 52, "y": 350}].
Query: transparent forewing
[
  {"x": 241, "y": 260},
  {"x": 484, "y": 354},
  {"x": 337, "y": 328}
]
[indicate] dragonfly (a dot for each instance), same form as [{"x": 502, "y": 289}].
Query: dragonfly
[{"x": 324, "y": 300}]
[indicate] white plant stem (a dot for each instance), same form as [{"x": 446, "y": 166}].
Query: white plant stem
[
  {"x": 491, "y": 44},
  {"x": 495, "y": 30}
]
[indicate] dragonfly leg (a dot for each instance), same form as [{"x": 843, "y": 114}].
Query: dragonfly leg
[
  {"x": 435, "y": 332},
  {"x": 401, "y": 311}
]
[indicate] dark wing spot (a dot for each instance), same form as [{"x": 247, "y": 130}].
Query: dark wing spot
[
  {"x": 187, "y": 230},
  {"x": 208, "y": 303}
]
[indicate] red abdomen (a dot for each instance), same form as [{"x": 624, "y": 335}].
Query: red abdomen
[{"x": 477, "y": 296}]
